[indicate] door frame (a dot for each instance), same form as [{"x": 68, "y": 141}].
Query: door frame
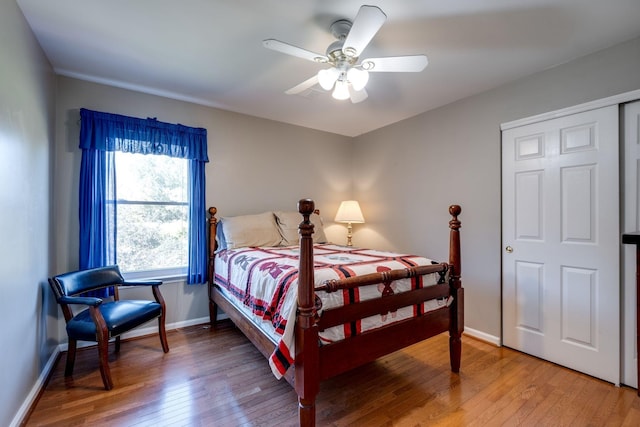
[{"x": 580, "y": 108}]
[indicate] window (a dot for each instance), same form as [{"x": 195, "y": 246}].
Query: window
[
  {"x": 140, "y": 221},
  {"x": 152, "y": 214}
]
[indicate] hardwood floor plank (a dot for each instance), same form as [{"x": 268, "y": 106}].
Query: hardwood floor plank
[
  {"x": 632, "y": 418},
  {"x": 215, "y": 377}
]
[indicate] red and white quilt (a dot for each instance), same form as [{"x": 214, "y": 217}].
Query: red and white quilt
[{"x": 264, "y": 285}]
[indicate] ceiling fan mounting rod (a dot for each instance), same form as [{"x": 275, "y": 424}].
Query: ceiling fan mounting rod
[{"x": 340, "y": 28}]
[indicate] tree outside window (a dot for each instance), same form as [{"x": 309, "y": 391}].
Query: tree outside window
[{"x": 152, "y": 212}]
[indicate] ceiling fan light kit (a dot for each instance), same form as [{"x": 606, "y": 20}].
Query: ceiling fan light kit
[{"x": 346, "y": 76}]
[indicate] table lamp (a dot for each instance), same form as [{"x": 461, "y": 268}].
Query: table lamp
[{"x": 349, "y": 212}]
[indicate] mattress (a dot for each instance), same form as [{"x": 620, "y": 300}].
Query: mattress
[{"x": 262, "y": 282}]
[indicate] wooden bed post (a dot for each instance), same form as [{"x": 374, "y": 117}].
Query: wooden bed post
[
  {"x": 456, "y": 326},
  {"x": 213, "y": 245},
  {"x": 307, "y": 380}
]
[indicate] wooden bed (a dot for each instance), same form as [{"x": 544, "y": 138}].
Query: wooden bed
[{"x": 315, "y": 363}]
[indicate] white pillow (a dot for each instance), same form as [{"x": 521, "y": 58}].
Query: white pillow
[
  {"x": 288, "y": 223},
  {"x": 251, "y": 230}
]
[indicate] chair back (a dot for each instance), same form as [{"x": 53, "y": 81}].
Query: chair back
[{"x": 77, "y": 282}]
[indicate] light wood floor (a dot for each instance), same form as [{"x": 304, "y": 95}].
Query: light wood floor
[{"x": 217, "y": 378}]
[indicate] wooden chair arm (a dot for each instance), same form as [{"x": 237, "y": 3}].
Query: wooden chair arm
[{"x": 141, "y": 283}]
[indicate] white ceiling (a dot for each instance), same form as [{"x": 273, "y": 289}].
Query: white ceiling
[{"x": 210, "y": 51}]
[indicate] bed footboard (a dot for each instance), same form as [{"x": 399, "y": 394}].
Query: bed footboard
[{"x": 314, "y": 363}]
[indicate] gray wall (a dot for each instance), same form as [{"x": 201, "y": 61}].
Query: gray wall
[
  {"x": 255, "y": 165},
  {"x": 408, "y": 173},
  {"x": 27, "y": 314}
]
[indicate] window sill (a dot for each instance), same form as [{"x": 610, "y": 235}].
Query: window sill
[{"x": 166, "y": 276}]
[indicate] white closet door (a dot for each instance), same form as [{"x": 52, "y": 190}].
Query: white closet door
[
  {"x": 631, "y": 187},
  {"x": 561, "y": 241}
]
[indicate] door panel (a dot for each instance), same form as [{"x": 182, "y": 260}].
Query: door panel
[
  {"x": 561, "y": 224},
  {"x": 529, "y": 296},
  {"x": 529, "y": 205},
  {"x": 579, "y": 301}
]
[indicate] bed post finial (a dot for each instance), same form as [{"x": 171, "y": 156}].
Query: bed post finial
[
  {"x": 213, "y": 244},
  {"x": 454, "y": 239},
  {"x": 306, "y": 206},
  {"x": 455, "y": 210},
  {"x": 305, "y": 229}
]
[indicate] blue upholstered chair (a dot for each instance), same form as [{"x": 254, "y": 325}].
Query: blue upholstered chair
[{"x": 104, "y": 318}]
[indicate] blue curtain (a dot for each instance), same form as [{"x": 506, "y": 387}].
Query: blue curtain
[
  {"x": 101, "y": 134},
  {"x": 97, "y": 213}
]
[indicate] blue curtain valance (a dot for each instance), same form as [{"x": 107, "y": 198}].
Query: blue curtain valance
[{"x": 114, "y": 132}]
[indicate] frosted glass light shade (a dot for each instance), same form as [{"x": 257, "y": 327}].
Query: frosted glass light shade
[
  {"x": 349, "y": 211},
  {"x": 358, "y": 78},
  {"x": 326, "y": 78},
  {"x": 341, "y": 90}
]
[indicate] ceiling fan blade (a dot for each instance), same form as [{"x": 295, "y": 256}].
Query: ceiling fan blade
[
  {"x": 303, "y": 86},
  {"x": 411, "y": 64},
  {"x": 290, "y": 49},
  {"x": 367, "y": 23},
  {"x": 357, "y": 95}
]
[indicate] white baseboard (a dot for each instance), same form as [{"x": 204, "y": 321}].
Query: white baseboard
[
  {"x": 48, "y": 367},
  {"x": 483, "y": 336}
]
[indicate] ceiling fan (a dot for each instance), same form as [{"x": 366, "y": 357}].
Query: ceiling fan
[{"x": 348, "y": 76}]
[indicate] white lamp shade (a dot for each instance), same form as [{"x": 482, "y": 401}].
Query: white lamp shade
[{"x": 349, "y": 211}]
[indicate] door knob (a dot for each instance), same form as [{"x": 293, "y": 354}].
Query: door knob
[{"x": 509, "y": 249}]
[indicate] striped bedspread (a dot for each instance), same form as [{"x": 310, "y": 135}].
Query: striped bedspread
[{"x": 264, "y": 283}]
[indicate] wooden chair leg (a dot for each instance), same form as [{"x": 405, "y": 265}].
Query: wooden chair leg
[
  {"x": 117, "y": 345},
  {"x": 163, "y": 333},
  {"x": 103, "y": 355},
  {"x": 71, "y": 357},
  {"x": 103, "y": 346}
]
